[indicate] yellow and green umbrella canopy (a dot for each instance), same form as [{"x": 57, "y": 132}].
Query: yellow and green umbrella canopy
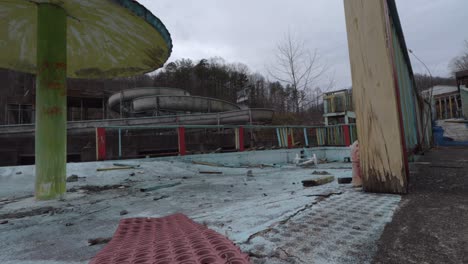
[
  {"x": 105, "y": 38},
  {"x": 56, "y": 39}
]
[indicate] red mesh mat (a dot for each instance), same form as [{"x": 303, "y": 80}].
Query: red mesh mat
[{"x": 167, "y": 240}]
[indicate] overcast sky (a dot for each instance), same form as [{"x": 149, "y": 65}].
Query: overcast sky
[{"x": 248, "y": 31}]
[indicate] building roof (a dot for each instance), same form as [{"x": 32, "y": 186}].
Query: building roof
[{"x": 441, "y": 89}]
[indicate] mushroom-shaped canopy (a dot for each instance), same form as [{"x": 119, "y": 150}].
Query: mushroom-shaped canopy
[{"x": 105, "y": 38}]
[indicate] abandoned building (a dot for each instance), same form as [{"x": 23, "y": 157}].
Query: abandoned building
[
  {"x": 339, "y": 108},
  {"x": 102, "y": 103}
]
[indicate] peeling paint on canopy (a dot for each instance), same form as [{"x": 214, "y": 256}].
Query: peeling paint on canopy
[{"x": 105, "y": 38}]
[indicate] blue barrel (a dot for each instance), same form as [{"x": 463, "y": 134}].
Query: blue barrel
[{"x": 438, "y": 133}]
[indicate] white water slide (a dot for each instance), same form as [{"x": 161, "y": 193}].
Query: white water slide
[{"x": 163, "y": 101}]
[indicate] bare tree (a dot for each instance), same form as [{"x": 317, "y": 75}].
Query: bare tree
[
  {"x": 460, "y": 63},
  {"x": 297, "y": 67}
]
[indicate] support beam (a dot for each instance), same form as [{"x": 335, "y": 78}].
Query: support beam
[
  {"x": 51, "y": 102},
  {"x": 120, "y": 143},
  {"x": 440, "y": 109},
  {"x": 450, "y": 104}
]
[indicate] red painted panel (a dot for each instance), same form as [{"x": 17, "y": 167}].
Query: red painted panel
[
  {"x": 100, "y": 143},
  {"x": 347, "y": 135},
  {"x": 241, "y": 139},
  {"x": 289, "y": 139},
  {"x": 182, "y": 147}
]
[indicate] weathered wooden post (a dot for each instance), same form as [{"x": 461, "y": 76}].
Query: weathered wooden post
[{"x": 383, "y": 89}]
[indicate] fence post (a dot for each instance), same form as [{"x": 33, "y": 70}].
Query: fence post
[
  {"x": 100, "y": 143},
  {"x": 347, "y": 135},
  {"x": 236, "y": 137},
  {"x": 241, "y": 138},
  {"x": 182, "y": 147},
  {"x": 120, "y": 143}
]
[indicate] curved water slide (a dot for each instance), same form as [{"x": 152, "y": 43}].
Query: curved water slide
[{"x": 164, "y": 103}]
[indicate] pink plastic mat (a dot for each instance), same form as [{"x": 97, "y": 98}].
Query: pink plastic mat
[{"x": 171, "y": 239}]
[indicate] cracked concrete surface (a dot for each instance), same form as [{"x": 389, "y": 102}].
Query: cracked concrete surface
[{"x": 286, "y": 223}]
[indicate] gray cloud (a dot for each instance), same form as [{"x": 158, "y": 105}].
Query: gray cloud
[{"x": 248, "y": 31}]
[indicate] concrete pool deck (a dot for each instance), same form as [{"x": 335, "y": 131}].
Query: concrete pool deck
[{"x": 265, "y": 210}]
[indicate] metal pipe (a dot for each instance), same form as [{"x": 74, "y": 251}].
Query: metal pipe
[{"x": 215, "y": 126}]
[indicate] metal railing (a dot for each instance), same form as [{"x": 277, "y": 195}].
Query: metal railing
[{"x": 196, "y": 139}]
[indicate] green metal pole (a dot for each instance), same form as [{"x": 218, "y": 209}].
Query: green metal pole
[{"x": 51, "y": 102}]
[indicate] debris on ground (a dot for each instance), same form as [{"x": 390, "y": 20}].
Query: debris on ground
[
  {"x": 116, "y": 168},
  {"x": 160, "y": 197},
  {"x": 99, "y": 241},
  {"x": 32, "y": 212},
  {"x": 95, "y": 188},
  {"x": 72, "y": 178},
  {"x": 19, "y": 172},
  {"x": 317, "y": 182},
  {"x": 132, "y": 174},
  {"x": 4, "y": 222},
  {"x": 249, "y": 173},
  {"x": 320, "y": 173},
  {"x": 210, "y": 172},
  {"x": 126, "y": 165},
  {"x": 261, "y": 166},
  {"x": 157, "y": 187},
  {"x": 345, "y": 180},
  {"x": 217, "y": 150},
  {"x": 267, "y": 199},
  {"x": 123, "y": 212},
  {"x": 207, "y": 164},
  {"x": 309, "y": 163},
  {"x": 69, "y": 224}
]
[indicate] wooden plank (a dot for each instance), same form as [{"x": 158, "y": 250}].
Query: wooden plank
[
  {"x": 374, "y": 91},
  {"x": 318, "y": 181}
]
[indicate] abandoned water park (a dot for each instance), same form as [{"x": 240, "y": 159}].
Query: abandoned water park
[{"x": 208, "y": 132}]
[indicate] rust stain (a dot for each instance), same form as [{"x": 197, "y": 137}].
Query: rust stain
[
  {"x": 55, "y": 85},
  {"x": 52, "y": 111},
  {"x": 60, "y": 66},
  {"x": 52, "y": 65}
]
